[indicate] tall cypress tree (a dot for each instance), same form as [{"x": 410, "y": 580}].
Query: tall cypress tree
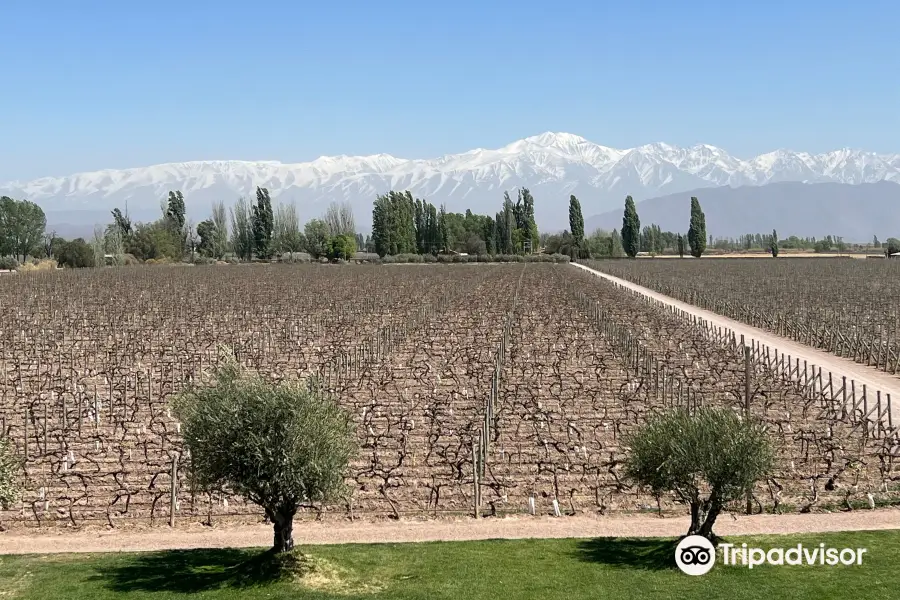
[
  {"x": 263, "y": 223},
  {"x": 576, "y": 221},
  {"x": 697, "y": 229},
  {"x": 381, "y": 228},
  {"x": 530, "y": 225},
  {"x": 421, "y": 227},
  {"x": 773, "y": 248},
  {"x": 407, "y": 224},
  {"x": 443, "y": 230},
  {"x": 175, "y": 210},
  {"x": 631, "y": 229}
]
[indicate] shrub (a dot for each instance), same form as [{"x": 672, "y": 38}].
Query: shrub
[
  {"x": 342, "y": 246},
  {"x": 8, "y": 263},
  {"x": 707, "y": 458},
  {"x": 38, "y": 265},
  {"x": 278, "y": 445},
  {"x": 204, "y": 260},
  {"x": 158, "y": 261},
  {"x": 9, "y": 467},
  {"x": 295, "y": 257},
  {"x": 76, "y": 254}
]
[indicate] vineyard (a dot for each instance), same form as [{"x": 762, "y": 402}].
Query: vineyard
[
  {"x": 847, "y": 307},
  {"x": 475, "y": 388}
]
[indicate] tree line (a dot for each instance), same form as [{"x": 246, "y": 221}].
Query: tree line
[
  {"x": 654, "y": 241},
  {"x": 401, "y": 224}
]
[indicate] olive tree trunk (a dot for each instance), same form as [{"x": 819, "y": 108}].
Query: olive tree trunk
[
  {"x": 704, "y": 514},
  {"x": 283, "y": 524}
]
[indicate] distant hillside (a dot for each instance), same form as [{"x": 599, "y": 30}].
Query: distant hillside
[
  {"x": 855, "y": 212},
  {"x": 552, "y": 165}
]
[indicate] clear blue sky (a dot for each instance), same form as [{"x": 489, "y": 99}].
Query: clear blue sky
[{"x": 90, "y": 84}]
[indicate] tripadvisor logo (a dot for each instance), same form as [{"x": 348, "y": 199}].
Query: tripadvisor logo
[{"x": 696, "y": 555}]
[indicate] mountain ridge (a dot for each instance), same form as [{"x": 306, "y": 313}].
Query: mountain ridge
[
  {"x": 552, "y": 165},
  {"x": 854, "y": 212}
]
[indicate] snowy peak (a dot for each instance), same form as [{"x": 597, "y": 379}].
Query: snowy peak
[{"x": 553, "y": 164}]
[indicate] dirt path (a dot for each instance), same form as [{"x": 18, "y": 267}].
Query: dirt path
[
  {"x": 840, "y": 367},
  {"x": 422, "y": 531}
]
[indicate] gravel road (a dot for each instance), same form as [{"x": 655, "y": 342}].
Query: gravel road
[
  {"x": 840, "y": 367},
  {"x": 197, "y": 536}
]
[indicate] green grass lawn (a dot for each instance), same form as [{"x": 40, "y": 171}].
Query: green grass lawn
[{"x": 542, "y": 569}]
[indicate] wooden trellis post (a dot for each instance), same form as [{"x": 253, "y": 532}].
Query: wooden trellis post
[
  {"x": 173, "y": 499},
  {"x": 476, "y": 480},
  {"x": 747, "y": 376}
]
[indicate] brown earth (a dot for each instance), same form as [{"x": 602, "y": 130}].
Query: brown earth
[{"x": 522, "y": 527}]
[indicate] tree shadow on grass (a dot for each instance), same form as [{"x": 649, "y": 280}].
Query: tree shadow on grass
[
  {"x": 652, "y": 554},
  {"x": 190, "y": 571}
]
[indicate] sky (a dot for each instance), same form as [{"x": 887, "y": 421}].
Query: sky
[{"x": 91, "y": 85}]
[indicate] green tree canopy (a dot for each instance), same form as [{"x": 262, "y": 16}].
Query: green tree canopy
[
  {"x": 318, "y": 242},
  {"x": 22, "y": 225},
  {"x": 342, "y": 246},
  {"x": 631, "y": 229},
  {"x": 206, "y": 231},
  {"x": 394, "y": 223},
  {"x": 154, "y": 241},
  {"x": 175, "y": 210},
  {"x": 122, "y": 222},
  {"x": 563, "y": 243},
  {"x": 75, "y": 254},
  {"x": 708, "y": 458},
  {"x": 279, "y": 446},
  {"x": 697, "y": 229},
  {"x": 576, "y": 221},
  {"x": 263, "y": 223}
]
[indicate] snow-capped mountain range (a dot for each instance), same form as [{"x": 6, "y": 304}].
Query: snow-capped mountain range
[{"x": 551, "y": 165}]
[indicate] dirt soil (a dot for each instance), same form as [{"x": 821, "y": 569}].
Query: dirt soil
[
  {"x": 518, "y": 527},
  {"x": 198, "y": 536}
]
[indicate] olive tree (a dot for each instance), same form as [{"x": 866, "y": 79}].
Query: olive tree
[
  {"x": 280, "y": 446},
  {"x": 707, "y": 457}
]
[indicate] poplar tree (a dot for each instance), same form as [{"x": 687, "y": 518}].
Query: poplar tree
[
  {"x": 697, "y": 229},
  {"x": 263, "y": 223},
  {"x": 631, "y": 229},
  {"x": 576, "y": 223}
]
